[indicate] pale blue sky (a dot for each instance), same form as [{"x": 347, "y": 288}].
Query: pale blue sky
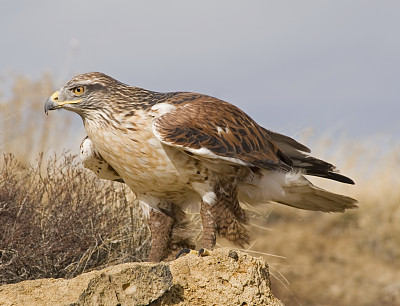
[{"x": 329, "y": 65}]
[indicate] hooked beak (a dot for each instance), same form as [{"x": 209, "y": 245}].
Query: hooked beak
[{"x": 53, "y": 103}]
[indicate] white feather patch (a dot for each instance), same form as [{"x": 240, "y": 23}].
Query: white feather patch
[
  {"x": 210, "y": 198},
  {"x": 163, "y": 108},
  {"x": 204, "y": 152},
  {"x": 266, "y": 187},
  {"x": 87, "y": 149}
]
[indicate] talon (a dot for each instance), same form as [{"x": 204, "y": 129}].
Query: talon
[
  {"x": 183, "y": 252},
  {"x": 204, "y": 252}
]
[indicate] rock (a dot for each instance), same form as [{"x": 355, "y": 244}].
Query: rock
[{"x": 226, "y": 277}]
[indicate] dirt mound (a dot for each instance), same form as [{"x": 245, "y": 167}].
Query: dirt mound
[{"x": 226, "y": 277}]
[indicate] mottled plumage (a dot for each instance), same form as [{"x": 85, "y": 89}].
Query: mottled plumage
[
  {"x": 181, "y": 149},
  {"x": 92, "y": 160}
]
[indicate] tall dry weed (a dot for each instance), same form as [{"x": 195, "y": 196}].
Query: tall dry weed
[{"x": 59, "y": 220}]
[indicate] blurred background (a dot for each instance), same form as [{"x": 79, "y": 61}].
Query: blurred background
[{"x": 324, "y": 72}]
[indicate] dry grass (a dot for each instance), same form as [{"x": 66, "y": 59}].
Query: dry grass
[{"x": 57, "y": 219}]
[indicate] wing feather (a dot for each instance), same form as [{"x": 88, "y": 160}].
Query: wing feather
[
  {"x": 304, "y": 162},
  {"x": 218, "y": 130}
]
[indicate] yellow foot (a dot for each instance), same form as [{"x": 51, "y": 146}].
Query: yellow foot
[{"x": 201, "y": 252}]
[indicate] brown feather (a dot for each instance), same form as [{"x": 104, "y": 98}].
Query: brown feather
[{"x": 222, "y": 128}]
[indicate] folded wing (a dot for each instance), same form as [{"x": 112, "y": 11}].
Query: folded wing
[{"x": 216, "y": 130}]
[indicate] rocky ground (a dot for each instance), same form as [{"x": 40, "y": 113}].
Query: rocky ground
[{"x": 226, "y": 277}]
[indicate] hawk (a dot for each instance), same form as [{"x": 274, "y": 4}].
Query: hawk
[{"x": 180, "y": 149}]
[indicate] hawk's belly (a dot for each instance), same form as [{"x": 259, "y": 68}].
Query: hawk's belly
[{"x": 145, "y": 164}]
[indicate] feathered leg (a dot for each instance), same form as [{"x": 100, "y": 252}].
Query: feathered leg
[
  {"x": 225, "y": 217},
  {"x": 209, "y": 226},
  {"x": 160, "y": 227},
  {"x": 220, "y": 213}
]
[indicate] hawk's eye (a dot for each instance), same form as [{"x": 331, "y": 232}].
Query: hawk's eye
[{"x": 78, "y": 90}]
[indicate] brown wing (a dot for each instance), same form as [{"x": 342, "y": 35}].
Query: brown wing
[{"x": 215, "y": 129}]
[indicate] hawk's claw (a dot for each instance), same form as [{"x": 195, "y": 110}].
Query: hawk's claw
[
  {"x": 183, "y": 252},
  {"x": 202, "y": 252}
]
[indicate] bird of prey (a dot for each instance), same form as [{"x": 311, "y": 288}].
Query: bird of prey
[{"x": 180, "y": 149}]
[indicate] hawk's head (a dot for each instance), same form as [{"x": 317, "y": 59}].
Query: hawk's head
[{"x": 84, "y": 93}]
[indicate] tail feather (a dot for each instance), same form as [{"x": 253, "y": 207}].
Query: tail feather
[
  {"x": 310, "y": 197},
  {"x": 293, "y": 189},
  {"x": 317, "y": 167}
]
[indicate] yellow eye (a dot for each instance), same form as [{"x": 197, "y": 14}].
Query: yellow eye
[{"x": 78, "y": 90}]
